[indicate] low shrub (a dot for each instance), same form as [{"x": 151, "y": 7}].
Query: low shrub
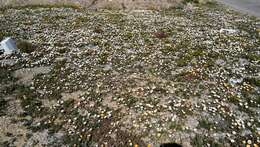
[{"x": 25, "y": 46}]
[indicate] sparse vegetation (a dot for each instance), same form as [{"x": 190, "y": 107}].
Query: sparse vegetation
[
  {"x": 253, "y": 81},
  {"x": 3, "y": 35},
  {"x": 98, "y": 30},
  {"x": 234, "y": 99},
  {"x": 126, "y": 78},
  {"x": 190, "y": 1},
  {"x": 3, "y": 105},
  {"x": 253, "y": 57},
  {"x": 203, "y": 123},
  {"x": 176, "y": 126},
  {"x": 201, "y": 140},
  {"x": 37, "y": 6}
]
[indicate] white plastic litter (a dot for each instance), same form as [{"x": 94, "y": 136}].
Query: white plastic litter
[
  {"x": 234, "y": 81},
  {"x": 8, "y": 46},
  {"x": 228, "y": 31}
]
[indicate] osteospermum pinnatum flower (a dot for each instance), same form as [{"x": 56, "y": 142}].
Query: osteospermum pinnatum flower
[{"x": 144, "y": 76}]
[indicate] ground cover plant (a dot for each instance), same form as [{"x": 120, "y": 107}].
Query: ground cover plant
[{"x": 112, "y": 77}]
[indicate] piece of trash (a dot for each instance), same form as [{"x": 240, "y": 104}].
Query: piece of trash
[
  {"x": 234, "y": 81},
  {"x": 8, "y": 46},
  {"x": 228, "y": 31}
]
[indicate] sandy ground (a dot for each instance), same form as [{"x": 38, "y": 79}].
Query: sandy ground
[
  {"x": 248, "y": 6},
  {"x": 97, "y": 4}
]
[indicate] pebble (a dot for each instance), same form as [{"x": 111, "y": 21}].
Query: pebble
[{"x": 249, "y": 142}]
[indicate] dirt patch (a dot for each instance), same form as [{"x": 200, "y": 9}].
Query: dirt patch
[
  {"x": 40, "y": 139},
  {"x": 16, "y": 130},
  {"x": 113, "y": 136},
  {"x": 108, "y": 101},
  {"x": 26, "y": 74},
  {"x": 14, "y": 106},
  {"x": 72, "y": 96}
]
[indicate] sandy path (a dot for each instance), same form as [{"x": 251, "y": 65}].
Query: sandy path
[{"x": 248, "y": 6}]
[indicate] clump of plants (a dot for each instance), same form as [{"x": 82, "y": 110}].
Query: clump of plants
[
  {"x": 50, "y": 6},
  {"x": 200, "y": 140},
  {"x": 253, "y": 57},
  {"x": 176, "y": 126},
  {"x": 25, "y": 46},
  {"x": 190, "y": 1},
  {"x": 205, "y": 124},
  {"x": 98, "y": 30},
  {"x": 6, "y": 75},
  {"x": 3, "y": 104},
  {"x": 1, "y": 36},
  {"x": 253, "y": 81}
]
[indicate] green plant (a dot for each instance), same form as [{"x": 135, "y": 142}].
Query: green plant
[
  {"x": 252, "y": 81},
  {"x": 183, "y": 61},
  {"x": 211, "y": 4},
  {"x": 197, "y": 52},
  {"x": 190, "y": 1},
  {"x": 168, "y": 49},
  {"x": 233, "y": 99},
  {"x": 46, "y": 6},
  {"x": 1, "y": 36},
  {"x": 98, "y": 30},
  {"x": 3, "y": 105},
  {"x": 103, "y": 57},
  {"x": 131, "y": 101},
  {"x": 253, "y": 57},
  {"x": 205, "y": 124},
  {"x": 176, "y": 126},
  {"x": 258, "y": 100},
  {"x": 200, "y": 141}
]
